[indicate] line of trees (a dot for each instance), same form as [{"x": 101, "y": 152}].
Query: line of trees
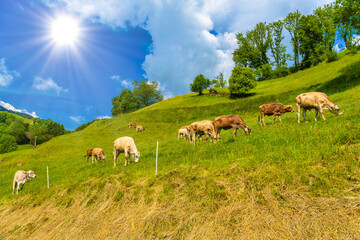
[
  {"x": 14, "y": 131},
  {"x": 312, "y": 39},
  {"x": 142, "y": 95}
]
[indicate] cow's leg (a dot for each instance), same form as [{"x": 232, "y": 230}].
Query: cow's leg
[
  {"x": 274, "y": 118},
  {"x": 218, "y": 133},
  {"x": 115, "y": 155},
  {"x": 280, "y": 118},
  {"x": 263, "y": 119},
  {"x": 322, "y": 114},
  {"x": 92, "y": 158},
  {"x": 316, "y": 113},
  {"x": 298, "y": 111},
  {"x": 126, "y": 161},
  {"x": 304, "y": 114},
  {"x": 14, "y": 185},
  {"x": 18, "y": 188},
  {"x": 235, "y": 129}
]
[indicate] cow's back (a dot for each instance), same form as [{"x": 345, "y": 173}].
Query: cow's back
[
  {"x": 124, "y": 142},
  {"x": 271, "y": 108},
  {"x": 311, "y": 99},
  {"x": 228, "y": 120}
]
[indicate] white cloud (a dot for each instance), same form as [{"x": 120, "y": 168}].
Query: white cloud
[
  {"x": 124, "y": 82},
  {"x": 189, "y": 37},
  {"x": 77, "y": 119},
  {"x": 10, "y": 107},
  {"x": 47, "y": 84},
  {"x": 103, "y": 117},
  {"x": 356, "y": 40},
  {"x": 6, "y": 75},
  {"x": 337, "y": 48}
]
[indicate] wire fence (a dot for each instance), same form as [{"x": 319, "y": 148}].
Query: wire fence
[{"x": 52, "y": 167}]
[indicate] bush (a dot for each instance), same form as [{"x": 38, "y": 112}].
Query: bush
[
  {"x": 242, "y": 80},
  {"x": 331, "y": 56},
  {"x": 264, "y": 72},
  {"x": 7, "y": 143}
]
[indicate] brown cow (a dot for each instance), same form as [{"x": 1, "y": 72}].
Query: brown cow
[
  {"x": 276, "y": 109},
  {"x": 315, "y": 100},
  {"x": 88, "y": 154},
  {"x": 230, "y": 121},
  {"x": 140, "y": 128},
  {"x": 205, "y": 127},
  {"x": 132, "y": 124},
  {"x": 97, "y": 153}
]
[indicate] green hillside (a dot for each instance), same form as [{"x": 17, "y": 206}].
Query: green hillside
[{"x": 285, "y": 181}]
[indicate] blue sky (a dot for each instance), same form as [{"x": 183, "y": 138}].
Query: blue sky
[{"x": 119, "y": 41}]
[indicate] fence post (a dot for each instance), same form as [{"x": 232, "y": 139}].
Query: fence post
[
  {"x": 47, "y": 174},
  {"x": 157, "y": 150}
]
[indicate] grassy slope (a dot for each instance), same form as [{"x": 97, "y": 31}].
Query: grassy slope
[{"x": 284, "y": 181}]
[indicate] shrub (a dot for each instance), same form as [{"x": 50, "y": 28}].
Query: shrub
[{"x": 242, "y": 80}]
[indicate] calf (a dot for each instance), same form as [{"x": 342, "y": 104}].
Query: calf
[
  {"x": 140, "y": 128},
  {"x": 315, "y": 100},
  {"x": 184, "y": 132},
  {"x": 20, "y": 179},
  {"x": 205, "y": 127},
  {"x": 125, "y": 145},
  {"x": 230, "y": 121},
  {"x": 132, "y": 124},
  {"x": 276, "y": 109},
  {"x": 97, "y": 153}
]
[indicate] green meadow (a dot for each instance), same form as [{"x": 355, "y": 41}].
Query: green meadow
[{"x": 286, "y": 180}]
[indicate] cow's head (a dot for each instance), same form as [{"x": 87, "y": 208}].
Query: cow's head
[
  {"x": 30, "y": 174},
  {"x": 289, "y": 108},
  {"x": 335, "y": 109},
  {"x": 247, "y": 129},
  {"x": 136, "y": 157}
]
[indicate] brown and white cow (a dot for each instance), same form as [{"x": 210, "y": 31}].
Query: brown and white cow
[
  {"x": 125, "y": 145},
  {"x": 20, "y": 179},
  {"x": 276, "y": 109},
  {"x": 184, "y": 131},
  {"x": 97, "y": 153},
  {"x": 230, "y": 121},
  {"x": 88, "y": 154},
  {"x": 140, "y": 128},
  {"x": 132, "y": 124},
  {"x": 315, "y": 100},
  {"x": 205, "y": 127}
]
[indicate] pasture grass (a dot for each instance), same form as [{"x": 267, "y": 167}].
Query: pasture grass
[{"x": 286, "y": 180}]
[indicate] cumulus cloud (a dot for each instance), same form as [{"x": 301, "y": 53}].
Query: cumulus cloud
[
  {"x": 10, "y": 107},
  {"x": 124, "y": 82},
  {"x": 189, "y": 37},
  {"x": 43, "y": 84},
  {"x": 6, "y": 75}
]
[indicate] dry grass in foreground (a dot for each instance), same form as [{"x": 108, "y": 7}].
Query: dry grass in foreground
[{"x": 260, "y": 215}]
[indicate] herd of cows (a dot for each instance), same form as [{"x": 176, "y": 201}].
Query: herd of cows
[{"x": 211, "y": 129}]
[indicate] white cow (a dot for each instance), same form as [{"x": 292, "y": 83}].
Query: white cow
[
  {"x": 315, "y": 100},
  {"x": 125, "y": 145},
  {"x": 20, "y": 179}
]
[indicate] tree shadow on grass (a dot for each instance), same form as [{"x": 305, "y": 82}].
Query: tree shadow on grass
[
  {"x": 244, "y": 95},
  {"x": 349, "y": 78}
]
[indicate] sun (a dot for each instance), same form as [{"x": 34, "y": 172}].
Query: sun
[{"x": 65, "y": 30}]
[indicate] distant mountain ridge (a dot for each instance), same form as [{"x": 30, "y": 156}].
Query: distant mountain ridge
[{"x": 24, "y": 115}]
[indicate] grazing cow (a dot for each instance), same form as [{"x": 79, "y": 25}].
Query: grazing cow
[
  {"x": 140, "y": 128},
  {"x": 88, "y": 154},
  {"x": 125, "y": 145},
  {"x": 132, "y": 124},
  {"x": 276, "y": 109},
  {"x": 315, "y": 100},
  {"x": 205, "y": 127},
  {"x": 97, "y": 153},
  {"x": 230, "y": 121},
  {"x": 20, "y": 179},
  {"x": 184, "y": 132}
]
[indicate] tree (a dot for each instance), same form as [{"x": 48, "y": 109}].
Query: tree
[
  {"x": 292, "y": 24},
  {"x": 219, "y": 81},
  {"x": 242, "y": 80},
  {"x": 245, "y": 54},
  {"x": 7, "y": 143},
  {"x": 310, "y": 40},
  {"x": 147, "y": 93},
  {"x": 325, "y": 16},
  {"x": 124, "y": 103},
  {"x": 347, "y": 18},
  {"x": 278, "y": 50},
  {"x": 199, "y": 84}
]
